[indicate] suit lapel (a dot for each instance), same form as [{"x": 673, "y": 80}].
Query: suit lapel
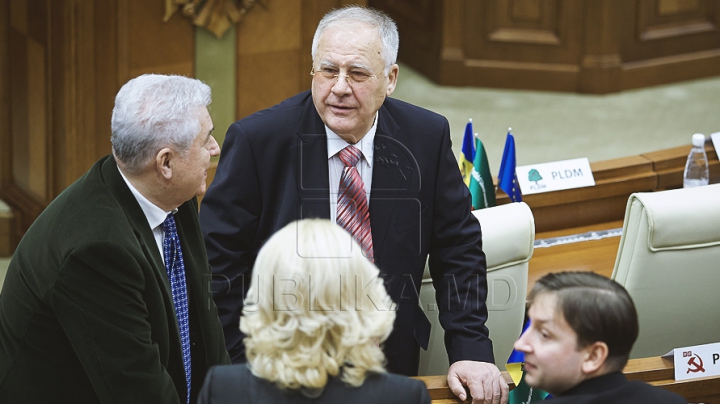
[
  {"x": 387, "y": 184},
  {"x": 137, "y": 220},
  {"x": 311, "y": 167}
]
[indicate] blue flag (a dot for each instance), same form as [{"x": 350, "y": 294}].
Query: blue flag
[
  {"x": 507, "y": 179},
  {"x": 467, "y": 154}
]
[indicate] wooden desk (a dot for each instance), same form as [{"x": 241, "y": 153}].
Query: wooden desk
[
  {"x": 591, "y": 256},
  {"x": 655, "y": 370}
]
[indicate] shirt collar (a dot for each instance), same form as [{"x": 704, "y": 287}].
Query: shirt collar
[
  {"x": 335, "y": 143},
  {"x": 155, "y": 216}
]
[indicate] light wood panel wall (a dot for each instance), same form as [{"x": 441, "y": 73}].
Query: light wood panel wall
[
  {"x": 61, "y": 64},
  {"x": 273, "y": 51},
  {"x": 589, "y": 46}
]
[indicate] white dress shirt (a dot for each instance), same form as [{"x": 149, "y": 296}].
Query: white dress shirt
[
  {"x": 155, "y": 216},
  {"x": 335, "y": 166}
]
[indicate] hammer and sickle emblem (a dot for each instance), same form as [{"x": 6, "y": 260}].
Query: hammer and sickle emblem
[{"x": 697, "y": 367}]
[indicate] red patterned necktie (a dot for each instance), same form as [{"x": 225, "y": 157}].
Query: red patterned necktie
[{"x": 352, "y": 208}]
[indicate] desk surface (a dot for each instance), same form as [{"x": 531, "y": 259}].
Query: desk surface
[
  {"x": 655, "y": 370},
  {"x": 593, "y": 256}
]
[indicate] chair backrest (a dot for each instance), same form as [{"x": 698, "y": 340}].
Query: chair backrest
[
  {"x": 669, "y": 261},
  {"x": 508, "y": 237}
]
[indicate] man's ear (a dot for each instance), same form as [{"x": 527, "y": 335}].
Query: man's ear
[
  {"x": 164, "y": 162},
  {"x": 596, "y": 354},
  {"x": 392, "y": 79}
]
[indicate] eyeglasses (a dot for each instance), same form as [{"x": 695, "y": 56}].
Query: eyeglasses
[{"x": 353, "y": 77}]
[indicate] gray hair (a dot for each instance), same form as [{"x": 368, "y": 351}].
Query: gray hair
[
  {"x": 153, "y": 111},
  {"x": 377, "y": 19}
]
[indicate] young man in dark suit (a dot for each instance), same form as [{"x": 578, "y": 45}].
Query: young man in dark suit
[
  {"x": 582, "y": 328},
  {"x": 105, "y": 298},
  {"x": 286, "y": 163}
]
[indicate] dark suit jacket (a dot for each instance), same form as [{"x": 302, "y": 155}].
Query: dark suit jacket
[
  {"x": 273, "y": 170},
  {"x": 86, "y": 313},
  {"x": 616, "y": 389},
  {"x": 236, "y": 384}
]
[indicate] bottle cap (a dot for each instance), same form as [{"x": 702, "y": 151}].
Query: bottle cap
[{"x": 698, "y": 140}]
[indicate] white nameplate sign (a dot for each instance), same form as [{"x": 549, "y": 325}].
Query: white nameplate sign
[
  {"x": 694, "y": 362},
  {"x": 555, "y": 176},
  {"x": 716, "y": 142}
]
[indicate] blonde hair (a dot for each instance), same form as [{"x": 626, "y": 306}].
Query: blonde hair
[{"x": 316, "y": 308}]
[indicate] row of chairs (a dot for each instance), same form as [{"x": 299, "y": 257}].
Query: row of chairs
[{"x": 668, "y": 260}]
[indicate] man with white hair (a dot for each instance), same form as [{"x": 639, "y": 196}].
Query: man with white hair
[
  {"x": 383, "y": 170},
  {"x": 105, "y": 297}
]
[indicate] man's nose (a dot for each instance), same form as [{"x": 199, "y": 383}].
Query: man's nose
[
  {"x": 521, "y": 345},
  {"x": 342, "y": 85},
  {"x": 214, "y": 147}
]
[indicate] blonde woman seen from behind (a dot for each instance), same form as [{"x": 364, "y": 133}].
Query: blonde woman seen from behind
[{"x": 315, "y": 317}]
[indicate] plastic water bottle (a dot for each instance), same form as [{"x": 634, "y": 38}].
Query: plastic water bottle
[{"x": 696, "y": 168}]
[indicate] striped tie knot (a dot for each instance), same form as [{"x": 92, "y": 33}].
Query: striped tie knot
[{"x": 350, "y": 156}]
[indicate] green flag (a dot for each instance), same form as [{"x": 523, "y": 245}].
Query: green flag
[
  {"x": 481, "y": 185},
  {"x": 524, "y": 394}
]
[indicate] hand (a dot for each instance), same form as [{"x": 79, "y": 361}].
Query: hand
[{"x": 486, "y": 384}]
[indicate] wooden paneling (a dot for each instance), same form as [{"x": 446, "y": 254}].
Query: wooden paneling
[
  {"x": 670, "y": 40},
  {"x": 63, "y": 61},
  {"x": 594, "y": 46},
  {"x": 5, "y": 128},
  {"x": 420, "y": 31},
  {"x": 70, "y": 92},
  {"x": 273, "y": 51},
  {"x": 268, "y": 56},
  {"x": 28, "y": 112},
  {"x": 151, "y": 46},
  {"x": 7, "y": 229},
  {"x": 671, "y": 19}
]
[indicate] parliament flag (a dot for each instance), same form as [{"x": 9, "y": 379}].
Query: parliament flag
[
  {"x": 467, "y": 154},
  {"x": 507, "y": 178},
  {"x": 481, "y": 185}
]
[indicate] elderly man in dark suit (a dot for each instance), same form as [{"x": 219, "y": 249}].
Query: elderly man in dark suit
[
  {"x": 105, "y": 298},
  {"x": 383, "y": 170}
]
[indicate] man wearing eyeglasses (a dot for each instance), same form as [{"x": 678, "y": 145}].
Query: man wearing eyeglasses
[{"x": 382, "y": 169}]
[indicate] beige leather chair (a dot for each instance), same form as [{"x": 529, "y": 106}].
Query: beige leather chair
[
  {"x": 669, "y": 261},
  {"x": 508, "y": 236}
]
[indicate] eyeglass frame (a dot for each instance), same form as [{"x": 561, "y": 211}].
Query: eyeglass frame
[{"x": 348, "y": 79}]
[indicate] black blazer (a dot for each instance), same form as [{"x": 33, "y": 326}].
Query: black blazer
[
  {"x": 273, "y": 170},
  {"x": 616, "y": 389},
  {"x": 236, "y": 384},
  {"x": 86, "y": 312}
]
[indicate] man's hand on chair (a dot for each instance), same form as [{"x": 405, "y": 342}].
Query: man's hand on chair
[{"x": 486, "y": 384}]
